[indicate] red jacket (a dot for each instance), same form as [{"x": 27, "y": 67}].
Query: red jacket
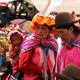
[
  {"x": 32, "y": 57},
  {"x": 26, "y": 65}
]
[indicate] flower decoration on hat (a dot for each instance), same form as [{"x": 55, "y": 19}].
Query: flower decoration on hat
[{"x": 41, "y": 20}]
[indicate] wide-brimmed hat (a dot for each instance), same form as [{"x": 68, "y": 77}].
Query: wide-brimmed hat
[
  {"x": 65, "y": 20},
  {"x": 38, "y": 19}
]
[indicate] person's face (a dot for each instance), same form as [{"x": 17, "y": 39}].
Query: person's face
[
  {"x": 65, "y": 34},
  {"x": 42, "y": 31},
  {"x": 16, "y": 39}
]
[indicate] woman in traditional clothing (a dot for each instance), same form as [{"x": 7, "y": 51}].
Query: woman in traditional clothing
[
  {"x": 68, "y": 28},
  {"x": 38, "y": 51}
]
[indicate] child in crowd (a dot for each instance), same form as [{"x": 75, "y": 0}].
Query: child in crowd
[{"x": 15, "y": 39}]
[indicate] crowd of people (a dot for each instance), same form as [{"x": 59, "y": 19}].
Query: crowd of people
[{"x": 37, "y": 56}]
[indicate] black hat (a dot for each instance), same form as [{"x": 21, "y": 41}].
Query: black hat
[{"x": 63, "y": 19}]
